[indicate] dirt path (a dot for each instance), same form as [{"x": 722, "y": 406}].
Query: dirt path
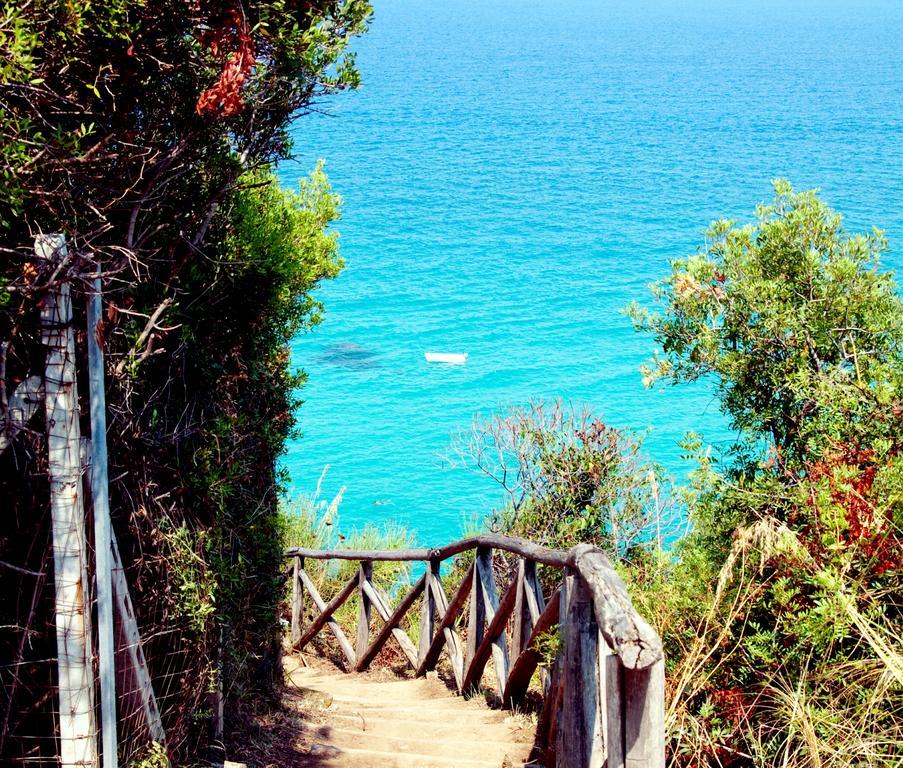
[{"x": 379, "y": 721}]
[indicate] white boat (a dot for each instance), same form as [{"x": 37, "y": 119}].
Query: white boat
[{"x": 455, "y": 358}]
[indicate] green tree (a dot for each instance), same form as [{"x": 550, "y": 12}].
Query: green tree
[{"x": 800, "y": 329}]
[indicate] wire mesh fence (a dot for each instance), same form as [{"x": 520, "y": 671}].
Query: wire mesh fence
[{"x": 52, "y": 665}]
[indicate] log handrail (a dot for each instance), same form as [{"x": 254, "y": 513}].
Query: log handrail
[
  {"x": 604, "y": 692},
  {"x": 512, "y": 544}
]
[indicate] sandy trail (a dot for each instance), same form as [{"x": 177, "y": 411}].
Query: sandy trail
[{"x": 374, "y": 721}]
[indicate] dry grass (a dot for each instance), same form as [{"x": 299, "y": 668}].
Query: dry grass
[{"x": 825, "y": 714}]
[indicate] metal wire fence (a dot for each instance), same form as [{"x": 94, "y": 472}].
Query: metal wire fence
[{"x": 53, "y": 667}]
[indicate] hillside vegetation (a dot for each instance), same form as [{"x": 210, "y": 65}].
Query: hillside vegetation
[
  {"x": 148, "y": 133},
  {"x": 780, "y": 608}
]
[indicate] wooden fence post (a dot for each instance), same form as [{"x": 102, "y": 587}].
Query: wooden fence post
[
  {"x": 589, "y": 730},
  {"x": 477, "y": 619},
  {"x": 523, "y": 624},
  {"x": 103, "y": 546},
  {"x": 136, "y": 691},
  {"x": 611, "y": 689},
  {"x": 297, "y": 601},
  {"x": 530, "y": 604},
  {"x": 78, "y": 731}
]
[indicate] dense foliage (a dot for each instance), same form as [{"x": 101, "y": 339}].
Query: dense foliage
[
  {"x": 795, "y": 321},
  {"x": 147, "y": 132},
  {"x": 781, "y": 610}
]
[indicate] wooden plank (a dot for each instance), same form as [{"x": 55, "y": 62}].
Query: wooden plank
[
  {"x": 536, "y": 603},
  {"x": 365, "y": 574},
  {"x": 477, "y": 619},
  {"x": 644, "y": 716},
  {"x": 612, "y": 705},
  {"x": 372, "y": 555},
  {"x": 448, "y": 620},
  {"x": 326, "y": 612},
  {"x": 391, "y": 627},
  {"x": 498, "y": 614},
  {"x": 520, "y": 633},
  {"x": 75, "y": 681},
  {"x": 103, "y": 547},
  {"x": 440, "y": 599},
  {"x": 428, "y": 610},
  {"x": 136, "y": 690},
  {"x": 452, "y": 639},
  {"x": 381, "y": 603},
  {"x": 511, "y": 544},
  {"x": 529, "y": 606},
  {"x": 297, "y": 600},
  {"x": 560, "y": 747},
  {"x": 525, "y": 664}
]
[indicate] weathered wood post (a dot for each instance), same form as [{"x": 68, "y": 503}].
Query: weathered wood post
[
  {"x": 297, "y": 600},
  {"x": 640, "y": 663},
  {"x": 136, "y": 692},
  {"x": 590, "y": 731},
  {"x": 528, "y": 606},
  {"x": 103, "y": 545},
  {"x": 580, "y": 743},
  {"x": 78, "y": 731},
  {"x": 523, "y": 623},
  {"x": 644, "y": 716}
]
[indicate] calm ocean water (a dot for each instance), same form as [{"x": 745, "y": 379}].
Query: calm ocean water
[{"x": 514, "y": 173}]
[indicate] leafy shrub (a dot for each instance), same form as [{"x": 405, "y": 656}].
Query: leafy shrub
[
  {"x": 148, "y": 133},
  {"x": 569, "y": 477}
]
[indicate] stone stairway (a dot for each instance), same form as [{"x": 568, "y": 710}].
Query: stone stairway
[{"x": 374, "y": 720}]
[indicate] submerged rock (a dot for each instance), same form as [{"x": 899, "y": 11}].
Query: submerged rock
[{"x": 347, "y": 354}]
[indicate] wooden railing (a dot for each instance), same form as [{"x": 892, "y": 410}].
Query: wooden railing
[{"x": 603, "y": 697}]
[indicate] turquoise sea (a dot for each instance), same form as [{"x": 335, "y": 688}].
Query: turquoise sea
[{"x": 514, "y": 173}]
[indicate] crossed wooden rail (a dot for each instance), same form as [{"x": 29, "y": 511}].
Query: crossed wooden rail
[{"x": 603, "y": 697}]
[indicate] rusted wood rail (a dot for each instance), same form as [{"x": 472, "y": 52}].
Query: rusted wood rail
[{"x": 604, "y": 693}]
